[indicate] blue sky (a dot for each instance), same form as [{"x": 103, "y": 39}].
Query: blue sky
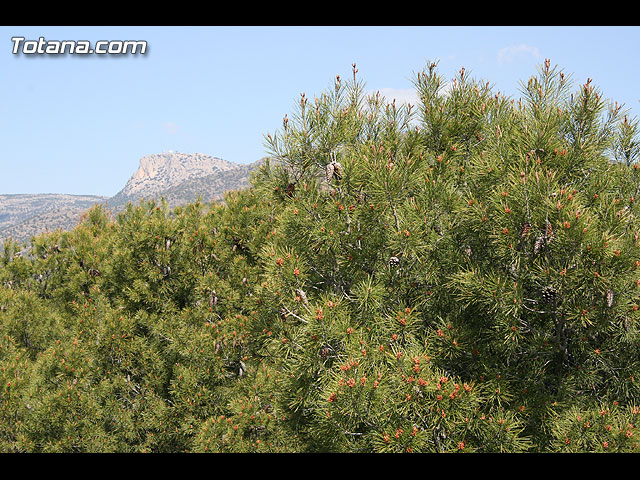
[{"x": 79, "y": 124}]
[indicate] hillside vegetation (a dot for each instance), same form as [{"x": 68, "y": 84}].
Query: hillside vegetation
[
  {"x": 25, "y": 215},
  {"x": 457, "y": 276}
]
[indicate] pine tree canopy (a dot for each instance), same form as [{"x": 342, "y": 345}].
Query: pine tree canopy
[{"x": 460, "y": 275}]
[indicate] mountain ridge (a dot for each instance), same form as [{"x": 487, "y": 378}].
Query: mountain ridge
[{"x": 178, "y": 177}]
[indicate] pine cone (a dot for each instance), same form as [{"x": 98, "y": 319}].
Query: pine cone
[
  {"x": 609, "y": 298},
  {"x": 241, "y": 368},
  {"x": 548, "y": 294},
  {"x": 329, "y": 172},
  {"x": 333, "y": 170},
  {"x": 548, "y": 233},
  {"x": 324, "y": 351},
  {"x": 337, "y": 170},
  {"x": 213, "y": 299}
]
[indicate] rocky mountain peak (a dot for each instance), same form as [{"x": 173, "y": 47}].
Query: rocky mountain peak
[{"x": 160, "y": 171}]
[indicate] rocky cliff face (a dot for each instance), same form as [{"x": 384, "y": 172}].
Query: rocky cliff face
[{"x": 161, "y": 171}]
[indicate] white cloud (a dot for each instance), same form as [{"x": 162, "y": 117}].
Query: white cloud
[
  {"x": 171, "y": 128},
  {"x": 510, "y": 53}
]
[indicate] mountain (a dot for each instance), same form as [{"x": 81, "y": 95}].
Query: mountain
[
  {"x": 181, "y": 177},
  {"x": 209, "y": 187},
  {"x": 23, "y": 215},
  {"x": 178, "y": 177}
]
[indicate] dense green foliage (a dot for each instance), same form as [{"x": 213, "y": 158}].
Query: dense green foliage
[{"x": 457, "y": 276}]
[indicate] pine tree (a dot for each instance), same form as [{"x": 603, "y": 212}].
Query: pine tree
[{"x": 495, "y": 238}]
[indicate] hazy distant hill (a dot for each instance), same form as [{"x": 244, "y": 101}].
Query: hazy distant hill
[
  {"x": 178, "y": 177},
  {"x": 23, "y": 215}
]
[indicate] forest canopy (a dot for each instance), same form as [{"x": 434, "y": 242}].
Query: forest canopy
[{"x": 460, "y": 275}]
